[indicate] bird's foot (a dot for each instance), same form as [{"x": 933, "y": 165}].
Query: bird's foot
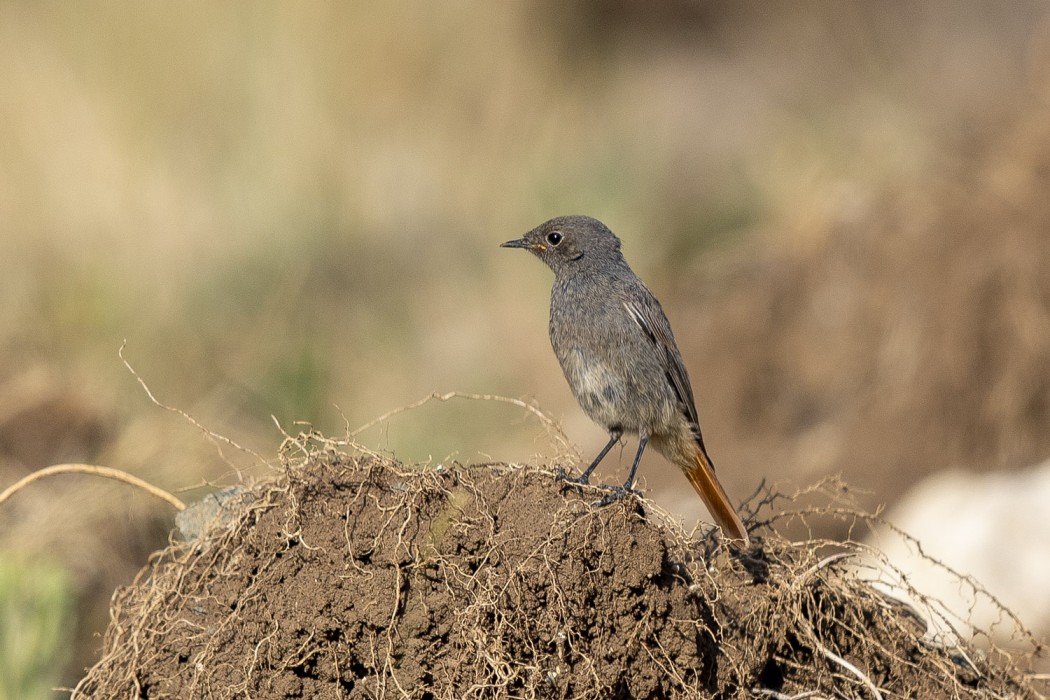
[
  {"x": 561, "y": 475},
  {"x": 615, "y": 494}
]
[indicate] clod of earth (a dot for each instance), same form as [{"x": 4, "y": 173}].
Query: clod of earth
[{"x": 357, "y": 577}]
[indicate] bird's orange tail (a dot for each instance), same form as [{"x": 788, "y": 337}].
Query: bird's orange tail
[{"x": 702, "y": 476}]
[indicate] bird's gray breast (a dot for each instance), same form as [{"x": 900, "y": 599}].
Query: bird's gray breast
[{"x": 601, "y": 352}]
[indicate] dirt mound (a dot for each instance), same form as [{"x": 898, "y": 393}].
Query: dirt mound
[{"x": 357, "y": 577}]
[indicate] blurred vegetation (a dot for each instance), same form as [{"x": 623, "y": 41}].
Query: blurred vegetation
[
  {"x": 37, "y": 602},
  {"x": 293, "y": 211}
]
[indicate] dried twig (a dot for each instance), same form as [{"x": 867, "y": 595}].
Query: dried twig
[
  {"x": 105, "y": 472},
  {"x": 212, "y": 435}
]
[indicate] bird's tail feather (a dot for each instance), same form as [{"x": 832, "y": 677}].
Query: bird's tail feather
[{"x": 702, "y": 476}]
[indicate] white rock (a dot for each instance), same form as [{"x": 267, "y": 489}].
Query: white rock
[{"x": 994, "y": 528}]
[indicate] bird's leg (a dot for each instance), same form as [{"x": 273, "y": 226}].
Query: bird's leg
[
  {"x": 614, "y": 437},
  {"x": 643, "y": 440},
  {"x": 620, "y": 492}
]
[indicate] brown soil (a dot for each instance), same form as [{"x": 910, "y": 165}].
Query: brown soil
[{"x": 361, "y": 578}]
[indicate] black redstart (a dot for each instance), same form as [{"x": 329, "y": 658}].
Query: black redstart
[{"x": 619, "y": 356}]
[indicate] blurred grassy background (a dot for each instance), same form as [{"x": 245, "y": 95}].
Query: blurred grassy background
[{"x": 294, "y": 210}]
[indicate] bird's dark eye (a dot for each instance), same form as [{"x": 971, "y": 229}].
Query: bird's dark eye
[{"x": 554, "y": 238}]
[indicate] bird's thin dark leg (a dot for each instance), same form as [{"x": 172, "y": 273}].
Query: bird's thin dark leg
[
  {"x": 618, "y": 493},
  {"x": 642, "y": 442},
  {"x": 614, "y": 436}
]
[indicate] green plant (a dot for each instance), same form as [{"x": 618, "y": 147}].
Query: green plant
[{"x": 36, "y": 611}]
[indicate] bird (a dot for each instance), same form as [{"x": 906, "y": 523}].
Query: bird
[{"x": 619, "y": 356}]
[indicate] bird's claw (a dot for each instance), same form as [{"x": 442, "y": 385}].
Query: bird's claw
[
  {"x": 561, "y": 475},
  {"x": 614, "y": 495}
]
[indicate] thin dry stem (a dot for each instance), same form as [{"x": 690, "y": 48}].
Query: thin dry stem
[
  {"x": 94, "y": 470},
  {"x": 212, "y": 435},
  {"x": 552, "y": 427}
]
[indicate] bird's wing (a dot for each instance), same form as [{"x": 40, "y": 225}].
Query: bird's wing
[{"x": 649, "y": 316}]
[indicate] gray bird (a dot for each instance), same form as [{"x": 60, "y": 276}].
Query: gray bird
[{"x": 619, "y": 356}]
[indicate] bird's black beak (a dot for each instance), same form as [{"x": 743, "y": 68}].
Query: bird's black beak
[{"x": 516, "y": 243}]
